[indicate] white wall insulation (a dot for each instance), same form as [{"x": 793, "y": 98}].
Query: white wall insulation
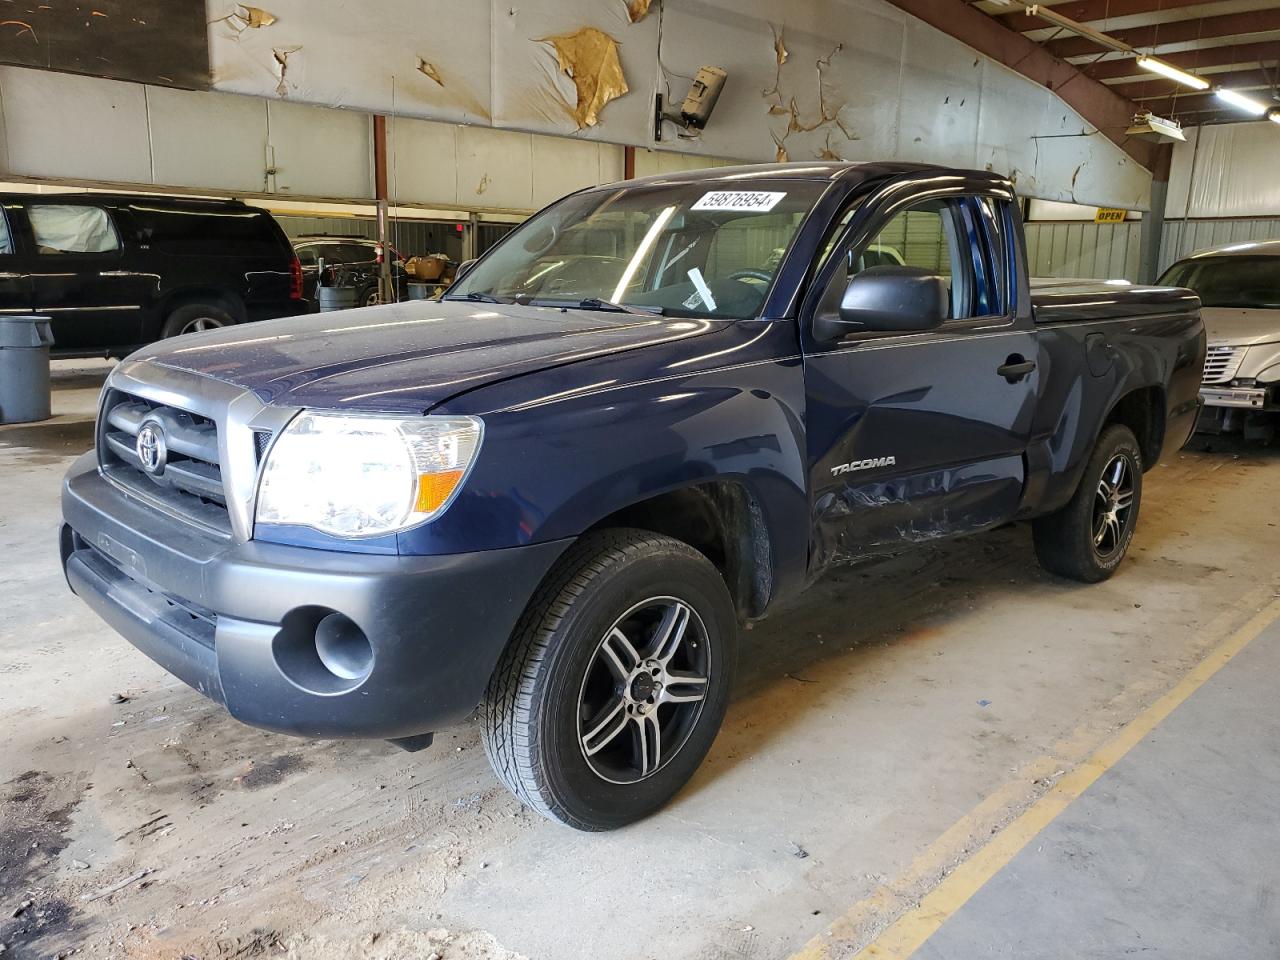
[
  {"x": 860, "y": 80},
  {"x": 497, "y": 130},
  {"x": 1226, "y": 170}
]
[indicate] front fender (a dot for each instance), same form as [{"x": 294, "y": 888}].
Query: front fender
[{"x": 551, "y": 468}]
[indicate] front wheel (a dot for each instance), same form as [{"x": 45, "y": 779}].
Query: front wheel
[
  {"x": 1087, "y": 538},
  {"x": 615, "y": 681}
]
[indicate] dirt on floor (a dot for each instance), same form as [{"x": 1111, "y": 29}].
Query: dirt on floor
[{"x": 889, "y": 703}]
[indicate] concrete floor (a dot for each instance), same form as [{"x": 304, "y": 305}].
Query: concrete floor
[
  {"x": 886, "y": 728},
  {"x": 1172, "y": 853}
]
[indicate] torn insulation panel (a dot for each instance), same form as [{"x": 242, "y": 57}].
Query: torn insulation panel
[
  {"x": 589, "y": 57},
  {"x": 256, "y": 17},
  {"x": 246, "y": 18},
  {"x": 828, "y": 112},
  {"x": 637, "y": 10},
  {"x": 430, "y": 70},
  {"x": 281, "y": 56}
]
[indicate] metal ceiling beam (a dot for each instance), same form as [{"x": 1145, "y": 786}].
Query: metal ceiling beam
[
  {"x": 1192, "y": 60},
  {"x": 1180, "y": 31},
  {"x": 1188, "y": 103},
  {"x": 1015, "y": 17},
  {"x": 1104, "y": 108},
  {"x": 1197, "y": 118},
  {"x": 1159, "y": 88}
]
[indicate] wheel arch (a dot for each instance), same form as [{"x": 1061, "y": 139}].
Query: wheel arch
[
  {"x": 187, "y": 296},
  {"x": 721, "y": 519},
  {"x": 1142, "y": 410}
]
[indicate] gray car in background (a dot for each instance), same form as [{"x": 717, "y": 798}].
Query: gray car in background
[{"x": 1239, "y": 288}]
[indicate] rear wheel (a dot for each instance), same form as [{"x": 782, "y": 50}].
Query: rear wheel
[
  {"x": 195, "y": 318},
  {"x": 615, "y": 681},
  {"x": 1088, "y": 537}
]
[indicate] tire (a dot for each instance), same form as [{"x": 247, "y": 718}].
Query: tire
[
  {"x": 1067, "y": 540},
  {"x": 369, "y": 297},
  {"x": 559, "y": 690},
  {"x": 194, "y": 318}
]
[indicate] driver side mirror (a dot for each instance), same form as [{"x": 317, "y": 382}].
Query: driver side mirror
[{"x": 888, "y": 298}]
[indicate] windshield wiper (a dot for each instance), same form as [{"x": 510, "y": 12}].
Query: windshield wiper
[
  {"x": 595, "y": 303},
  {"x": 476, "y": 297}
]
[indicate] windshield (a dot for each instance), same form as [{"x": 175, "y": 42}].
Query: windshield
[
  {"x": 689, "y": 250},
  {"x": 1234, "y": 281}
]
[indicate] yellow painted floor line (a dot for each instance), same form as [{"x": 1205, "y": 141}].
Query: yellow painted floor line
[{"x": 901, "y": 939}]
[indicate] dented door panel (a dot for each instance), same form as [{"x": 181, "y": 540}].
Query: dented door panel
[{"x": 915, "y": 438}]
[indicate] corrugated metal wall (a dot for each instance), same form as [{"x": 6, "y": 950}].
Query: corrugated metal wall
[
  {"x": 1106, "y": 251},
  {"x": 1181, "y": 237}
]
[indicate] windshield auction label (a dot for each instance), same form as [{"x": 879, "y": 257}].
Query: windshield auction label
[{"x": 746, "y": 201}]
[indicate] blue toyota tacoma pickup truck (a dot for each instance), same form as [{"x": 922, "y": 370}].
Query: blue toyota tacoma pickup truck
[{"x": 655, "y": 410}]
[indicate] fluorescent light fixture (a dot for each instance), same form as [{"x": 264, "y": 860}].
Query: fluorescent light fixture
[
  {"x": 1241, "y": 102},
  {"x": 1079, "y": 29},
  {"x": 1173, "y": 73}
]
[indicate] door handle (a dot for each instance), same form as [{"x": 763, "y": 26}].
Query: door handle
[{"x": 1016, "y": 367}]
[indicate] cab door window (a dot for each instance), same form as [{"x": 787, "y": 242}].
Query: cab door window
[
  {"x": 953, "y": 238},
  {"x": 66, "y": 228},
  {"x": 925, "y": 236}
]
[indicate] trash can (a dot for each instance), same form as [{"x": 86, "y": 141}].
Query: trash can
[
  {"x": 421, "y": 291},
  {"x": 337, "y": 298},
  {"x": 24, "y": 368}
]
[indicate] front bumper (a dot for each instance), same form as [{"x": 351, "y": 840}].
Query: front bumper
[
  {"x": 1246, "y": 398},
  {"x": 233, "y": 620}
]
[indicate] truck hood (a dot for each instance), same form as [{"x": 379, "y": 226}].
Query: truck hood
[
  {"x": 1241, "y": 328},
  {"x": 408, "y": 357}
]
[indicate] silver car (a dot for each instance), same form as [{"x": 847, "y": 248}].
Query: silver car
[{"x": 1239, "y": 288}]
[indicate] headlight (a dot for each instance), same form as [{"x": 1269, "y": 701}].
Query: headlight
[{"x": 356, "y": 476}]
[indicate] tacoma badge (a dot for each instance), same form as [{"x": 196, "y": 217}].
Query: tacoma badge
[{"x": 862, "y": 465}]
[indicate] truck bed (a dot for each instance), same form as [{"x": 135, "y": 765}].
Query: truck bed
[{"x": 1067, "y": 300}]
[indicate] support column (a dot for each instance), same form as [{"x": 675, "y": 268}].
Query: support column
[
  {"x": 386, "y": 289},
  {"x": 1153, "y": 220},
  {"x": 471, "y": 238},
  {"x": 628, "y": 163}
]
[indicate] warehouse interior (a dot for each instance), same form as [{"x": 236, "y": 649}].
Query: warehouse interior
[{"x": 932, "y": 745}]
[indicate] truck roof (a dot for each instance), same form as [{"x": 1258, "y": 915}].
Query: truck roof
[{"x": 809, "y": 170}]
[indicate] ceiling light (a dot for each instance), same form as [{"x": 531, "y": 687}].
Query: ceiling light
[
  {"x": 1173, "y": 73},
  {"x": 1240, "y": 101},
  {"x": 1079, "y": 29},
  {"x": 1147, "y": 126}
]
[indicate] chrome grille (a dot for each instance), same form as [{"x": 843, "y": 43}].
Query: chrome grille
[
  {"x": 190, "y": 483},
  {"x": 1221, "y": 364}
]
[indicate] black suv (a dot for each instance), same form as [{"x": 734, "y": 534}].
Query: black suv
[
  {"x": 116, "y": 271},
  {"x": 357, "y": 259}
]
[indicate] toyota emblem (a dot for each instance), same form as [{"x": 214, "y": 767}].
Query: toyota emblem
[{"x": 152, "y": 452}]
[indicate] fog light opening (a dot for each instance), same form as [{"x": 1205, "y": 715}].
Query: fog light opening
[{"x": 343, "y": 648}]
